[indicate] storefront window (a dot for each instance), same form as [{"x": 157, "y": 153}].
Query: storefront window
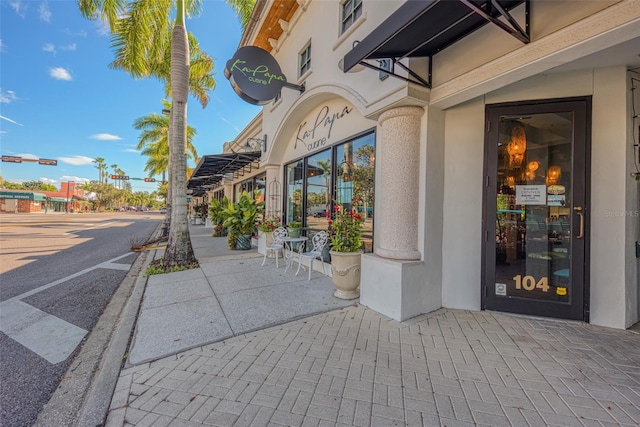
[
  {"x": 355, "y": 177},
  {"x": 318, "y": 189},
  {"x": 336, "y": 175},
  {"x": 294, "y": 174},
  {"x": 254, "y": 186}
]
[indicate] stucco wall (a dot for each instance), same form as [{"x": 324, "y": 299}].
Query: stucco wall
[
  {"x": 546, "y": 18},
  {"x": 613, "y": 271}
]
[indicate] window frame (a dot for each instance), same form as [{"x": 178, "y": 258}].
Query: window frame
[
  {"x": 350, "y": 11},
  {"x": 304, "y": 60}
]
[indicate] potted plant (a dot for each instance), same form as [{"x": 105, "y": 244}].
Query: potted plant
[
  {"x": 201, "y": 213},
  {"x": 216, "y": 213},
  {"x": 345, "y": 243},
  {"x": 294, "y": 228},
  {"x": 241, "y": 219},
  {"x": 265, "y": 230}
]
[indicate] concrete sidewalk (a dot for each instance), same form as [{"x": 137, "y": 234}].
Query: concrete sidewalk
[
  {"x": 229, "y": 295},
  {"x": 220, "y": 346}
]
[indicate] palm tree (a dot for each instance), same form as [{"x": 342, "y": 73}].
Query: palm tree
[
  {"x": 102, "y": 168},
  {"x": 140, "y": 39},
  {"x": 154, "y": 143}
]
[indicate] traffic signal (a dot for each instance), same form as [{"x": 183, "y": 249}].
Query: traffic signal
[
  {"x": 149, "y": 180},
  {"x": 12, "y": 159},
  {"x": 125, "y": 177},
  {"x": 48, "y": 162}
]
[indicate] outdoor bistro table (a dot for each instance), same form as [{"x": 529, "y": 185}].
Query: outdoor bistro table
[{"x": 289, "y": 252}]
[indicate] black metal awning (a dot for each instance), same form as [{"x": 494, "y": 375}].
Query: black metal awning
[
  {"x": 211, "y": 170},
  {"x": 422, "y": 28}
]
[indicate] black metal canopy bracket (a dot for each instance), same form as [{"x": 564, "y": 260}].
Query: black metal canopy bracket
[
  {"x": 423, "y": 28},
  {"x": 512, "y": 28}
]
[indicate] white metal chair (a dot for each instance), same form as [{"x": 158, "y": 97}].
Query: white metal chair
[
  {"x": 276, "y": 246},
  {"x": 318, "y": 241}
]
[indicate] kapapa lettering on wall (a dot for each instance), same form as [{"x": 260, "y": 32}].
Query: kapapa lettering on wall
[
  {"x": 255, "y": 75},
  {"x": 317, "y": 134}
]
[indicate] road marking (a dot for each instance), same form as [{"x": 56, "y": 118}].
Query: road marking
[
  {"x": 106, "y": 264},
  {"x": 48, "y": 336}
]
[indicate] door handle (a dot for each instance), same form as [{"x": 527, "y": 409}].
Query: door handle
[{"x": 578, "y": 210}]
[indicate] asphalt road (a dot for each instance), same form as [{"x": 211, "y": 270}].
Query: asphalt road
[{"x": 57, "y": 274}]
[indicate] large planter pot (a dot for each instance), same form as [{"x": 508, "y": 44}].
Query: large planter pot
[
  {"x": 345, "y": 273},
  {"x": 243, "y": 243},
  {"x": 265, "y": 238}
]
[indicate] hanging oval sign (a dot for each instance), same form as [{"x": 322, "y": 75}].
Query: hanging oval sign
[{"x": 255, "y": 75}]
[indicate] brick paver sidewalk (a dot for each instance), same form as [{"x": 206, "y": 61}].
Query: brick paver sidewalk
[{"x": 356, "y": 367}]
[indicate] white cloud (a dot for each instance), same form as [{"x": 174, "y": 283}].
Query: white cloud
[
  {"x": 76, "y": 160},
  {"x": 79, "y": 33},
  {"x": 102, "y": 28},
  {"x": 1, "y": 46},
  {"x": 7, "y": 97},
  {"x": 28, "y": 156},
  {"x": 105, "y": 137},
  {"x": 59, "y": 73},
  {"x": 19, "y": 8},
  {"x": 71, "y": 46},
  {"x": 45, "y": 13},
  {"x": 49, "y": 47},
  {"x": 130, "y": 150},
  {"x": 67, "y": 178},
  {"x": 2, "y": 132},
  {"x": 10, "y": 121},
  {"x": 48, "y": 180}
]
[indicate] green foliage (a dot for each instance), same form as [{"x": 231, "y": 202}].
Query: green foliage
[
  {"x": 29, "y": 185},
  {"x": 294, "y": 224},
  {"x": 37, "y": 185},
  {"x": 345, "y": 228},
  {"x": 216, "y": 210},
  {"x": 232, "y": 239},
  {"x": 269, "y": 223},
  {"x": 158, "y": 267},
  {"x": 12, "y": 185},
  {"x": 240, "y": 217}
]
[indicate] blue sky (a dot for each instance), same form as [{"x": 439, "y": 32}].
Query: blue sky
[{"x": 60, "y": 100}]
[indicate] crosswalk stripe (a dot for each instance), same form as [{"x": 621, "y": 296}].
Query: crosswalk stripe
[{"x": 48, "y": 336}]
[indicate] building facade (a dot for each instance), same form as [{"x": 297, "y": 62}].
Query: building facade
[{"x": 500, "y": 141}]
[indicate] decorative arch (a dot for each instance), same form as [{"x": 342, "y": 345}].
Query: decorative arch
[{"x": 304, "y": 105}]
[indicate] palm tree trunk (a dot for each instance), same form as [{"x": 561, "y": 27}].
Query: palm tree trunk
[{"x": 179, "y": 251}]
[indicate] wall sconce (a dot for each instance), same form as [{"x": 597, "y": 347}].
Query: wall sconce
[
  {"x": 356, "y": 68},
  {"x": 252, "y": 143},
  {"x": 553, "y": 175},
  {"x": 517, "y": 146}
]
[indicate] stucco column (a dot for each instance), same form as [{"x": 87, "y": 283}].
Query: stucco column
[{"x": 397, "y": 193}]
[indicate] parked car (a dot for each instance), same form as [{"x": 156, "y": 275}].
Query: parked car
[
  {"x": 320, "y": 214},
  {"x": 163, "y": 210}
]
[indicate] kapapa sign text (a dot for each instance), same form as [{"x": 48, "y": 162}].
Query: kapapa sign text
[
  {"x": 319, "y": 133},
  {"x": 260, "y": 74}
]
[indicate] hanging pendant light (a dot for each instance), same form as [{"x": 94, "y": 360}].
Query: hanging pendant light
[
  {"x": 517, "y": 146},
  {"x": 553, "y": 175}
]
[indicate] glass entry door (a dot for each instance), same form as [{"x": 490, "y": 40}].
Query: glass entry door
[{"x": 536, "y": 213}]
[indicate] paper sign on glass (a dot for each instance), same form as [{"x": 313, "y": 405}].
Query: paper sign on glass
[{"x": 531, "y": 194}]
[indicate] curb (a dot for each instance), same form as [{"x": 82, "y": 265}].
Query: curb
[{"x": 84, "y": 395}]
